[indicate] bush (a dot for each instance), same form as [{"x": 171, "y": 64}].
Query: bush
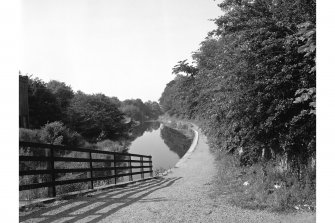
[
  {"x": 57, "y": 133},
  {"x": 52, "y": 133},
  {"x": 109, "y": 145}
]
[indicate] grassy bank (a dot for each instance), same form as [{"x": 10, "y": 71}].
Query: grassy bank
[{"x": 262, "y": 186}]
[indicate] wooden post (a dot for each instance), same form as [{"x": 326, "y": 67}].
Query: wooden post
[
  {"x": 51, "y": 166},
  {"x": 114, "y": 171},
  {"x": 150, "y": 159},
  {"x": 130, "y": 170},
  {"x": 142, "y": 174},
  {"x": 91, "y": 170}
]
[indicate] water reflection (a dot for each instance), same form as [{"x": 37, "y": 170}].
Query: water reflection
[
  {"x": 145, "y": 127},
  {"x": 176, "y": 141},
  {"x": 136, "y": 132},
  {"x": 165, "y": 144}
]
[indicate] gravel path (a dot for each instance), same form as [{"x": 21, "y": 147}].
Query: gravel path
[{"x": 181, "y": 196}]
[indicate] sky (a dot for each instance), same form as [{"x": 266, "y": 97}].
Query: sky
[{"x": 122, "y": 48}]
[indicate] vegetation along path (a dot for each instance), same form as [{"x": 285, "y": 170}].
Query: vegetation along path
[{"x": 181, "y": 196}]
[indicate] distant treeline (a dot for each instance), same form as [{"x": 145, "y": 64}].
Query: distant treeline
[
  {"x": 253, "y": 84},
  {"x": 94, "y": 116}
]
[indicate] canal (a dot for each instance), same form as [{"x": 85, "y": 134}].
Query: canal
[{"x": 166, "y": 145}]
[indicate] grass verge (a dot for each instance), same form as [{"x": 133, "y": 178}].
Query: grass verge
[{"x": 261, "y": 186}]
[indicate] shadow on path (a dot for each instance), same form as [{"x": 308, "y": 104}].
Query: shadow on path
[{"x": 99, "y": 205}]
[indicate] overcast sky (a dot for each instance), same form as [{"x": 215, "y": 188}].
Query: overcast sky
[{"x": 122, "y": 48}]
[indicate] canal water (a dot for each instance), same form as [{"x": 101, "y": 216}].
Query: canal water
[{"x": 164, "y": 144}]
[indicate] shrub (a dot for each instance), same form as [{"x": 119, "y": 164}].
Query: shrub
[
  {"x": 54, "y": 133},
  {"x": 57, "y": 133},
  {"x": 109, "y": 145}
]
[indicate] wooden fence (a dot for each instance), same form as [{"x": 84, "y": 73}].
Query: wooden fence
[{"x": 125, "y": 162}]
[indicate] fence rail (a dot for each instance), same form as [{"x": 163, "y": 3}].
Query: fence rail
[{"x": 50, "y": 157}]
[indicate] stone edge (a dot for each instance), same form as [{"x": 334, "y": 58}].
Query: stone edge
[
  {"x": 186, "y": 155},
  {"x": 190, "y": 150}
]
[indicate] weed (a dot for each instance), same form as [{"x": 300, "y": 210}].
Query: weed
[{"x": 266, "y": 187}]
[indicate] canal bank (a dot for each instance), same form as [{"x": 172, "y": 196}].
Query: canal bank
[
  {"x": 186, "y": 155},
  {"x": 183, "y": 195}
]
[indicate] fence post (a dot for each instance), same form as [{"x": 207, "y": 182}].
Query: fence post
[
  {"x": 91, "y": 170},
  {"x": 150, "y": 159},
  {"x": 51, "y": 166},
  {"x": 114, "y": 165},
  {"x": 130, "y": 169},
  {"x": 142, "y": 174}
]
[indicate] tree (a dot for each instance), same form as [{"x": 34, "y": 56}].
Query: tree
[
  {"x": 139, "y": 111},
  {"x": 184, "y": 67},
  {"x": 131, "y": 111},
  {"x": 43, "y": 106},
  {"x": 95, "y": 116},
  {"x": 253, "y": 84},
  {"x": 62, "y": 92},
  {"x": 154, "y": 109}
]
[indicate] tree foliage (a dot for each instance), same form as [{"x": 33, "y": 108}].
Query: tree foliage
[
  {"x": 254, "y": 80},
  {"x": 57, "y": 133},
  {"x": 52, "y": 133},
  {"x": 43, "y": 106},
  {"x": 139, "y": 111},
  {"x": 95, "y": 116},
  {"x": 62, "y": 92}
]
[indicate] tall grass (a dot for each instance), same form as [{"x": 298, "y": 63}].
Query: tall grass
[{"x": 263, "y": 185}]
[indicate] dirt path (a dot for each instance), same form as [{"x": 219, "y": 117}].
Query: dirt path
[{"x": 181, "y": 196}]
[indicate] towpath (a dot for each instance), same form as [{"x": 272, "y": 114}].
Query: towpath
[{"x": 181, "y": 196}]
